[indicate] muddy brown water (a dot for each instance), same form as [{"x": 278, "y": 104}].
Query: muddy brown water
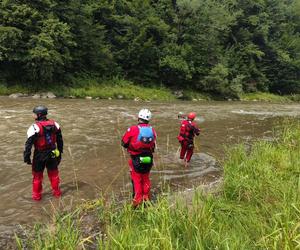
[{"x": 94, "y": 163}]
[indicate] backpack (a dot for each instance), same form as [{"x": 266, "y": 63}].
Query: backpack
[
  {"x": 47, "y": 135},
  {"x": 146, "y": 135}
]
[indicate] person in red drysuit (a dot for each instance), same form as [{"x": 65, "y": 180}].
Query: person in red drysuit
[
  {"x": 187, "y": 132},
  {"x": 139, "y": 140},
  {"x": 47, "y": 139}
]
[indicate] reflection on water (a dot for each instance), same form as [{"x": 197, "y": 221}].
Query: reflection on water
[{"x": 94, "y": 162}]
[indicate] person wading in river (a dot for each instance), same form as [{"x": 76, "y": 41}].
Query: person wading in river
[
  {"x": 139, "y": 140},
  {"x": 47, "y": 139},
  {"x": 188, "y": 130}
]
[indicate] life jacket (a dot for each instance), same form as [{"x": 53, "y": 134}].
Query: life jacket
[
  {"x": 144, "y": 140},
  {"x": 47, "y": 135},
  {"x": 189, "y": 130}
]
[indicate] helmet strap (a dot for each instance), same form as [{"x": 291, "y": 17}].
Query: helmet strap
[
  {"x": 41, "y": 117},
  {"x": 140, "y": 120}
]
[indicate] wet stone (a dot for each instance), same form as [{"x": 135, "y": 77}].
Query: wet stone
[
  {"x": 36, "y": 96},
  {"x": 17, "y": 95}
]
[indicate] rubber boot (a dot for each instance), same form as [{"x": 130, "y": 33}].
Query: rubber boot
[
  {"x": 37, "y": 185},
  {"x": 54, "y": 180}
]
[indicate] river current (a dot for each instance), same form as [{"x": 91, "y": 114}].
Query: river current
[{"x": 95, "y": 164}]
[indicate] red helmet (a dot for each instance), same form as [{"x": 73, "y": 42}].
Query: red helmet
[{"x": 192, "y": 115}]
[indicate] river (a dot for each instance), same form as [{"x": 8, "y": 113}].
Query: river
[{"x": 95, "y": 164}]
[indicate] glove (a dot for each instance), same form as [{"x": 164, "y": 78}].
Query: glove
[
  {"x": 28, "y": 161},
  {"x": 125, "y": 145}
]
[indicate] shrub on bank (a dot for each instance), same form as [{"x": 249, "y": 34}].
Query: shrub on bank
[
  {"x": 123, "y": 91},
  {"x": 264, "y": 96}
]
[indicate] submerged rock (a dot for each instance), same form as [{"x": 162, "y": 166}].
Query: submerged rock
[
  {"x": 50, "y": 95},
  {"x": 178, "y": 93},
  {"x": 36, "y": 96}
]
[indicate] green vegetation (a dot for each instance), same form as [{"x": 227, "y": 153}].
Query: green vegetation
[
  {"x": 122, "y": 91},
  {"x": 268, "y": 97},
  {"x": 4, "y": 90},
  {"x": 115, "y": 89},
  {"x": 220, "y": 47},
  {"x": 257, "y": 207}
]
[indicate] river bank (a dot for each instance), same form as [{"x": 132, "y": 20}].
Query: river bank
[
  {"x": 256, "y": 207},
  {"x": 129, "y": 91}
]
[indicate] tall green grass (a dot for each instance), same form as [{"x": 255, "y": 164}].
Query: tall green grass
[
  {"x": 125, "y": 90},
  {"x": 119, "y": 88},
  {"x": 4, "y": 90},
  {"x": 114, "y": 88},
  {"x": 257, "y": 207},
  {"x": 62, "y": 233},
  {"x": 266, "y": 97}
]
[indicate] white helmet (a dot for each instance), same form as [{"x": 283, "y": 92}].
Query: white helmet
[{"x": 145, "y": 114}]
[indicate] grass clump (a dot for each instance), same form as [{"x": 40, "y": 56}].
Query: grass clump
[
  {"x": 115, "y": 88},
  {"x": 5, "y": 90},
  {"x": 124, "y": 91},
  {"x": 263, "y": 96},
  {"x": 295, "y": 97},
  {"x": 62, "y": 233}
]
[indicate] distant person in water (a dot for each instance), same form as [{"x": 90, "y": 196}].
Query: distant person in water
[
  {"x": 188, "y": 130},
  {"x": 139, "y": 140},
  {"x": 47, "y": 139}
]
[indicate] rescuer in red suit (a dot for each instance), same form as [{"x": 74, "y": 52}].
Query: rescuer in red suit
[
  {"x": 139, "y": 140},
  {"x": 47, "y": 139},
  {"x": 187, "y": 132}
]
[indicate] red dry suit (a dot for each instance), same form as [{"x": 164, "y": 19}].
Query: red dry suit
[
  {"x": 140, "y": 142},
  {"x": 46, "y": 136},
  {"x": 187, "y": 132}
]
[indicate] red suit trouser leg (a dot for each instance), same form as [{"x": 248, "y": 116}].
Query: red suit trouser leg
[
  {"x": 146, "y": 185},
  {"x": 183, "y": 149},
  {"x": 187, "y": 150},
  {"x": 141, "y": 185},
  {"x": 54, "y": 180},
  {"x": 189, "y": 153},
  {"x": 37, "y": 185}
]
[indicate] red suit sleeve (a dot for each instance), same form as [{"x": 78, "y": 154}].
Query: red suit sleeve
[
  {"x": 182, "y": 128},
  {"x": 127, "y": 137},
  {"x": 196, "y": 129},
  {"x": 180, "y": 137}
]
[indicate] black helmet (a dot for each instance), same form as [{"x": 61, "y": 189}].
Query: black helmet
[{"x": 40, "y": 110}]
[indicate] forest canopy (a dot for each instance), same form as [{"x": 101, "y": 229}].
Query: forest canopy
[{"x": 226, "y": 47}]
